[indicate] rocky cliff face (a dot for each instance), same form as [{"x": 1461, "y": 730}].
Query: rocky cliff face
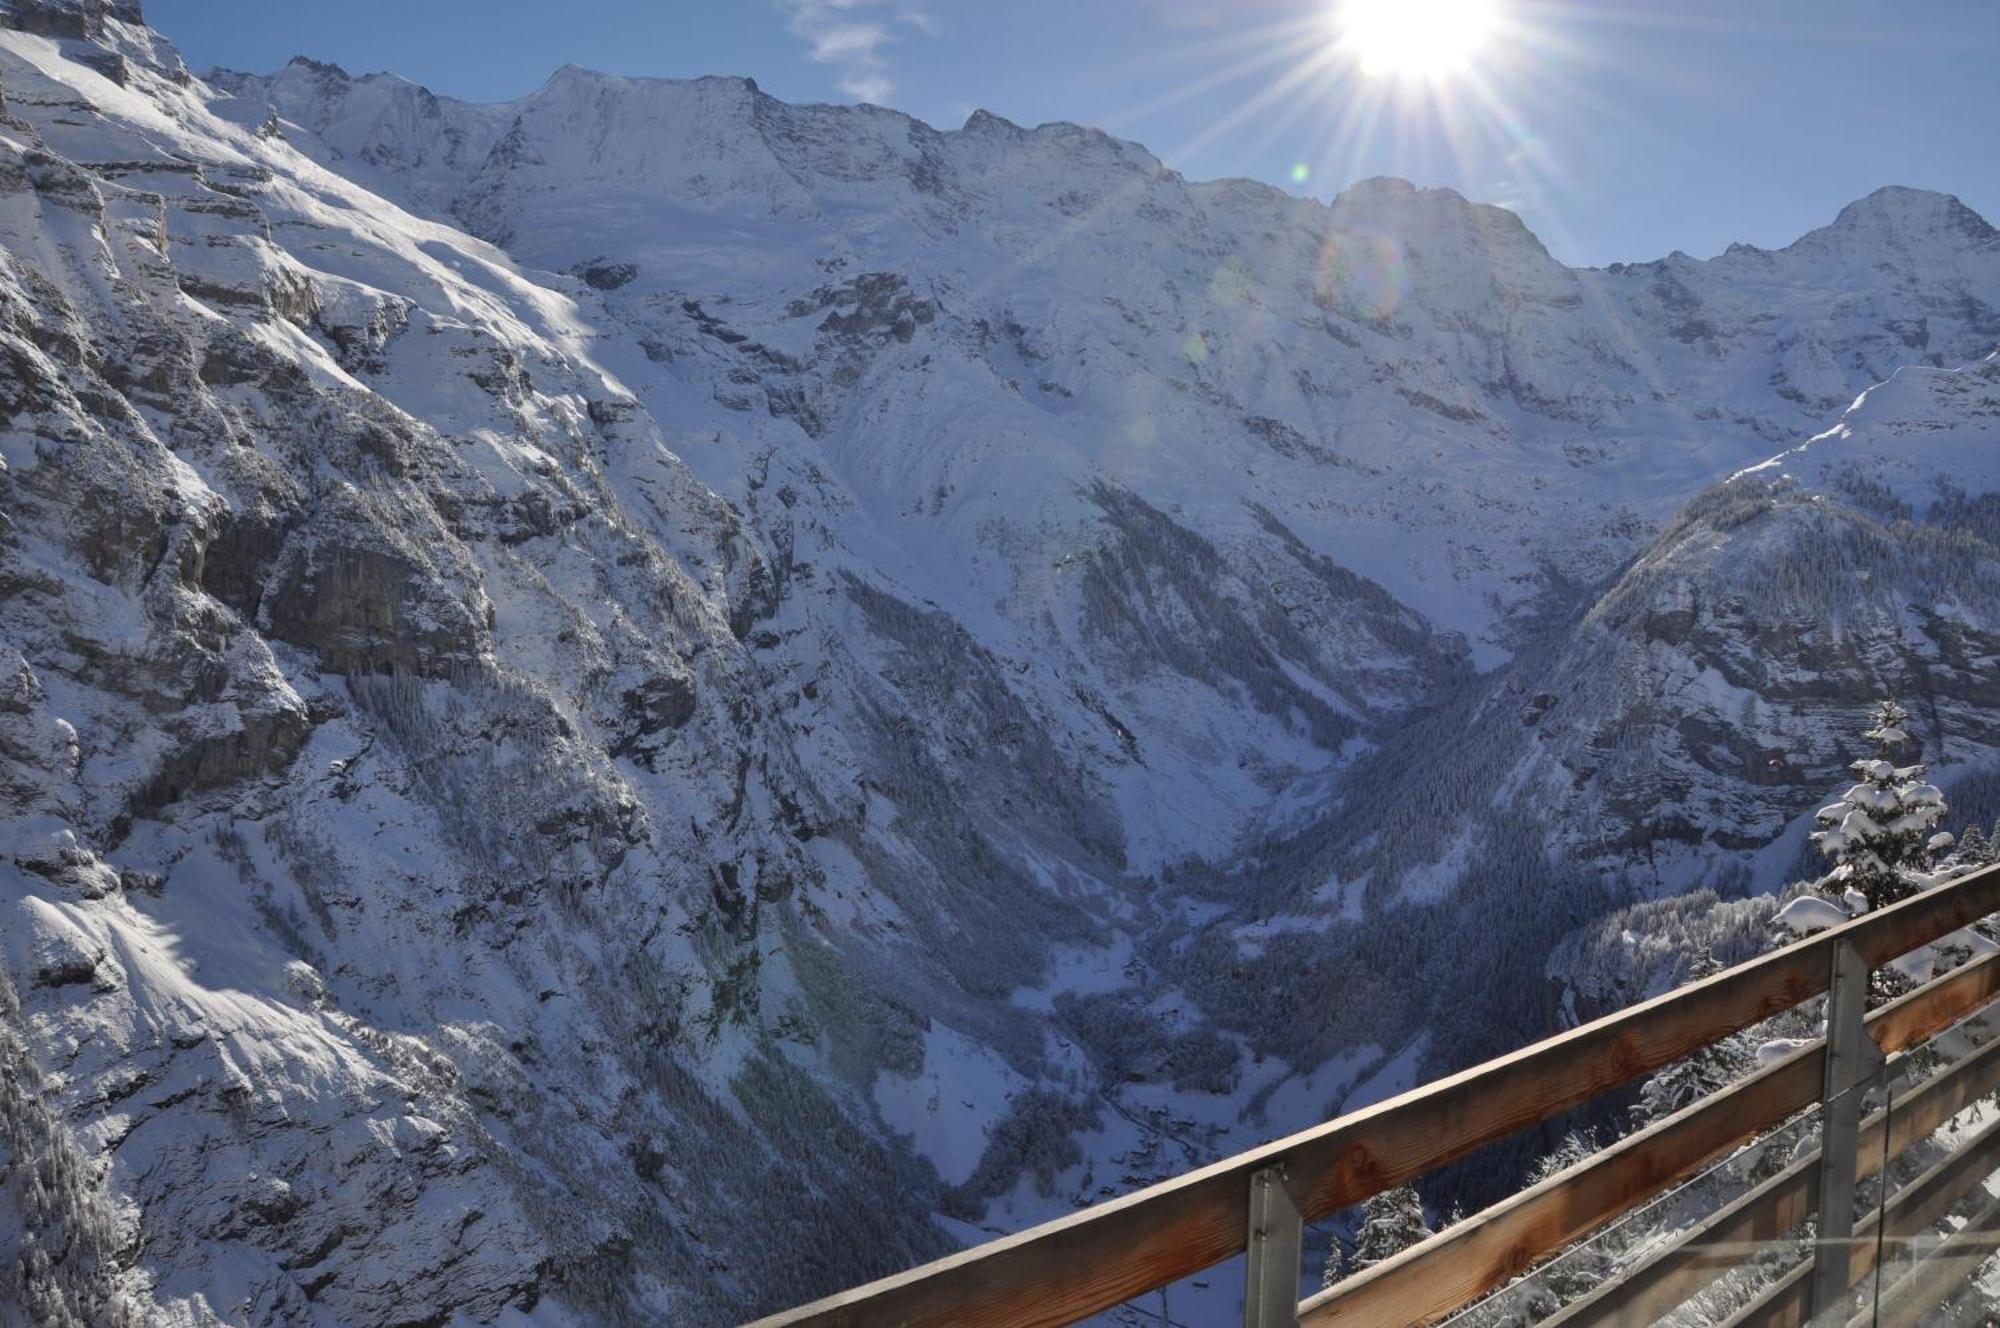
[
  {"x": 1720, "y": 672},
  {"x": 370, "y": 768},
  {"x": 1714, "y": 682},
  {"x": 610, "y": 704}
]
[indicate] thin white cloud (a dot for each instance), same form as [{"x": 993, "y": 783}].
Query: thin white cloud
[{"x": 850, "y": 35}]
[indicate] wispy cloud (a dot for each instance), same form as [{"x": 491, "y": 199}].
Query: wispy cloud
[{"x": 850, "y": 35}]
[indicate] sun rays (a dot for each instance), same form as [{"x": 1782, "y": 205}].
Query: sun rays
[{"x": 1450, "y": 90}]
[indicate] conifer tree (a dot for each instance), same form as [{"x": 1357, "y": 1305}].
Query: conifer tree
[
  {"x": 1391, "y": 1222},
  {"x": 1333, "y": 1272},
  {"x": 1582, "y": 1268},
  {"x": 1879, "y": 834},
  {"x": 1692, "y": 1078},
  {"x": 1974, "y": 847},
  {"x": 1574, "y": 1147}
]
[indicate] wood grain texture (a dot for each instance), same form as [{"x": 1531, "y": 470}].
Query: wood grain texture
[
  {"x": 1912, "y": 1019},
  {"x": 1455, "y": 1267},
  {"x": 1645, "y": 1291}
]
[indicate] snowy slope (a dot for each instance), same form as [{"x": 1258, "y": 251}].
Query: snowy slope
[
  {"x": 964, "y": 336},
  {"x": 1673, "y": 729},
  {"x": 1737, "y": 648},
  {"x": 388, "y": 811},
  {"x": 577, "y": 670},
  {"x": 1916, "y": 445},
  {"x": 1544, "y": 843}
]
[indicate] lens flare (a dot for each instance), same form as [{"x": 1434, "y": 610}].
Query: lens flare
[
  {"x": 1362, "y": 276},
  {"x": 1426, "y": 39}
]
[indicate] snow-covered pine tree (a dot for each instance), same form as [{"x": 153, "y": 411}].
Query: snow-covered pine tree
[
  {"x": 1879, "y": 833},
  {"x": 1333, "y": 1272},
  {"x": 1679, "y": 1085},
  {"x": 1391, "y": 1222},
  {"x": 1572, "y": 1149},
  {"x": 1688, "y": 1080},
  {"x": 1973, "y": 845},
  {"x": 1582, "y": 1268}
]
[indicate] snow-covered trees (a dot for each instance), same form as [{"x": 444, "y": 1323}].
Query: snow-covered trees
[
  {"x": 1333, "y": 1271},
  {"x": 1974, "y": 847},
  {"x": 1581, "y": 1268},
  {"x": 1688, "y": 1080},
  {"x": 1037, "y": 1137},
  {"x": 1681, "y": 1084},
  {"x": 63, "y": 1258},
  {"x": 1391, "y": 1222},
  {"x": 1882, "y": 831},
  {"x": 1572, "y": 1149}
]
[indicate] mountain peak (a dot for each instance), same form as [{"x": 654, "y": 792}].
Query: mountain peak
[
  {"x": 1392, "y": 202},
  {"x": 983, "y": 121},
  {"x": 324, "y": 68},
  {"x": 577, "y": 77},
  {"x": 1389, "y": 203},
  {"x": 1898, "y": 215},
  {"x": 1389, "y": 188}
]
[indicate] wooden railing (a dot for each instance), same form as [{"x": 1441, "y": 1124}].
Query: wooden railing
[{"x": 1095, "y": 1259}]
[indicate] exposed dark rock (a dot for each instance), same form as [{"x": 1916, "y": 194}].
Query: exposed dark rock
[
  {"x": 364, "y": 605},
  {"x": 262, "y": 742},
  {"x": 78, "y": 20},
  {"x": 606, "y": 275}
]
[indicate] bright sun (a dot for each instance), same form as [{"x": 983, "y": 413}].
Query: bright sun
[{"x": 1427, "y": 39}]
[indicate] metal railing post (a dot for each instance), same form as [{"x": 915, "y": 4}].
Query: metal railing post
[
  {"x": 1853, "y": 1065},
  {"x": 1277, "y": 1235}
]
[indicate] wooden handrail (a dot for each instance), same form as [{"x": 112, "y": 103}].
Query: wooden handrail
[
  {"x": 1458, "y": 1265},
  {"x": 1671, "y": 1273},
  {"x": 1784, "y": 1303},
  {"x": 1453, "y": 1268},
  {"x": 1089, "y": 1261},
  {"x": 1945, "y": 1272}
]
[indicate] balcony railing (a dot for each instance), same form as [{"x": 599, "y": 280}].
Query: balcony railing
[{"x": 1258, "y": 1202}]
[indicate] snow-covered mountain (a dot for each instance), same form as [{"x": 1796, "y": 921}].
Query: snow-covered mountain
[
  {"x": 631, "y": 705},
  {"x": 1665, "y": 732}
]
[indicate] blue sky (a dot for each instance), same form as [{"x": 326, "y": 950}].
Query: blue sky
[{"x": 1619, "y": 129}]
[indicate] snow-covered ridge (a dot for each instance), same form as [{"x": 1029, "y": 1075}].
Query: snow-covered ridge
[
  {"x": 1475, "y": 385},
  {"x": 1908, "y": 444}
]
